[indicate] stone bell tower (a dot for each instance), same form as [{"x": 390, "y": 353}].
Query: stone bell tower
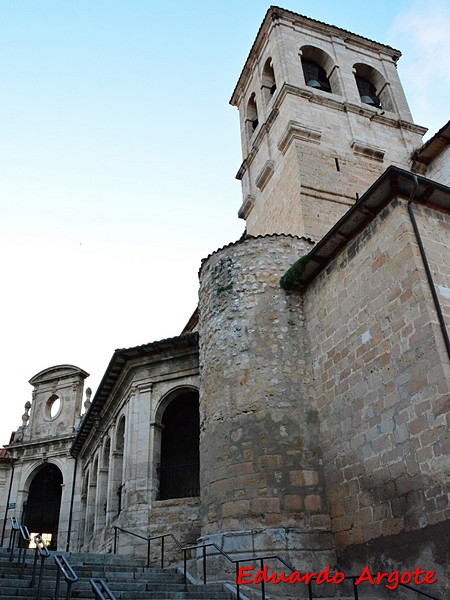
[{"x": 322, "y": 115}]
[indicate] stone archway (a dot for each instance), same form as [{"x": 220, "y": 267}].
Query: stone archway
[
  {"x": 41, "y": 511},
  {"x": 179, "y": 458}
]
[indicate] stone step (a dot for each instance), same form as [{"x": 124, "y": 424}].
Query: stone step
[{"x": 128, "y": 579}]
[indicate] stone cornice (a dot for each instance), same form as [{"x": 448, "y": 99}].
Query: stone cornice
[
  {"x": 298, "y": 131},
  {"x": 394, "y": 183},
  {"x": 324, "y": 99},
  {"x": 246, "y": 207}
]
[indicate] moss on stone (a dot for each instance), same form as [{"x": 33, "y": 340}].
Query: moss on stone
[
  {"x": 224, "y": 288},
  {"x": 294, "y": 274}
]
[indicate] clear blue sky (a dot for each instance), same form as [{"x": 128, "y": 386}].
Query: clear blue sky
[{"x": 118, "y": 156}]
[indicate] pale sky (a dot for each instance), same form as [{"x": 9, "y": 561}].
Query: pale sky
[{"x": 118, "y": 159}]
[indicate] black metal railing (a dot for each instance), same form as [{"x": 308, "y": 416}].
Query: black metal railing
[
  {"x": 261, "y": 560},
  {"x": 262, "y": 564},
  {"x": 188, "y": 549},
  {"x": 101, "y": 590},
  {"x": 354, "y": 578},
  {"x": 148, "y": 541},
  {"x": 70, "y": 577},
  {"x": 24, "y": 544},
  {"x": 41, "y": 552},
  {"x": 12, "y": 539}
]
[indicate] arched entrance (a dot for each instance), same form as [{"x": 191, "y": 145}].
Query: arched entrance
[{"x": 41, "y": 512}]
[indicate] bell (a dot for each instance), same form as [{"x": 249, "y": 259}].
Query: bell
[
  {"x": 368, "y": 100},
  {"x": 314, "y": 84}
]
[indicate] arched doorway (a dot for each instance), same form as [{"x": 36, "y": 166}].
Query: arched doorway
[{"x": 41, "y": 513}]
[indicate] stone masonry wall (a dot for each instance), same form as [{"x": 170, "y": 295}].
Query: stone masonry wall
[
  {"x": 434, "y": 229},
  {"x": 262, "y": 485},
  {"x": 439, "y": 170},
  {"x": 382, "y": 377}
]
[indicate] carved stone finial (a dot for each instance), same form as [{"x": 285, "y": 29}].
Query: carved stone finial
[
  {"x": 87, "y": 402},
  {"x": 26, "y": 416}
]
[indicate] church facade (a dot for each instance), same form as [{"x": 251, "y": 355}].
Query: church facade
[{"x": 305, "y": 408}]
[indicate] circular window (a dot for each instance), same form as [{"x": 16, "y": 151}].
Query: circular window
[{"x": 53, "y": 407}]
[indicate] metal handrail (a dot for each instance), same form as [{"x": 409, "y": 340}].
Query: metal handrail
[
  {"x": 410, "y": 587},
  {"x": 42, "y": 552},
  {"x": 64, "y": 568},
  {"x": 261, "y": 562},
  {"x": 353, "y": 578},
  {"x": 261, "y": 559},
  {"x": 101, "y": 590},
  {"x": 14, "y": 529},
  {"x": 148, "y": 540},
  {"x": 186, "y": 549},
  {"x": 24, "y": 543}
]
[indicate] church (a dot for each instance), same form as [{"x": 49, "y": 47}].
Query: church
[{"x": 304, "y": 410}]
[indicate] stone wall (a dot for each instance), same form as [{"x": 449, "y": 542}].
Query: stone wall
[
  {"x": 439, "y": 170},
  {"x": 178, "y": 516},
  {"x": 262, "y": 482},
  {"x": 382, "y": 377}
]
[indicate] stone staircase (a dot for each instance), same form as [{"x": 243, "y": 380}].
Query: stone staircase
[{"x": 127, "y": 577}]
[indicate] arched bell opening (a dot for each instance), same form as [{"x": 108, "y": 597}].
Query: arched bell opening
[
  {"x": 252, "y": 121},
  {"x": 372, "y": 87},
  {"x": 319, "y": 70}
]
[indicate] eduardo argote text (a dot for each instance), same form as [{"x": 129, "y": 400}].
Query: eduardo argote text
[{"x": 392, "y": 580}]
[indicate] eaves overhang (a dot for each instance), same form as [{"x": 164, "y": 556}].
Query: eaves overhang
[
  {"x": 118, "y": 361},
  {"x": 433, "y": 147},
  {"x": 392, "y": 184}
]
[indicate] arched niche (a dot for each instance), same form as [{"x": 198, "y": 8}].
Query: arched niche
[{"x": 178, "y": 421}]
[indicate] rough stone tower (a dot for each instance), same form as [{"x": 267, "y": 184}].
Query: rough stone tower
[
  {"x": 322, "y": 115},
  {"x": 262, "y": 481}
]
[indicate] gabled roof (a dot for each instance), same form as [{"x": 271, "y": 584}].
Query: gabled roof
[
  {"x": 393, "y": 183},
  {"x": 57, "y": 372}
]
